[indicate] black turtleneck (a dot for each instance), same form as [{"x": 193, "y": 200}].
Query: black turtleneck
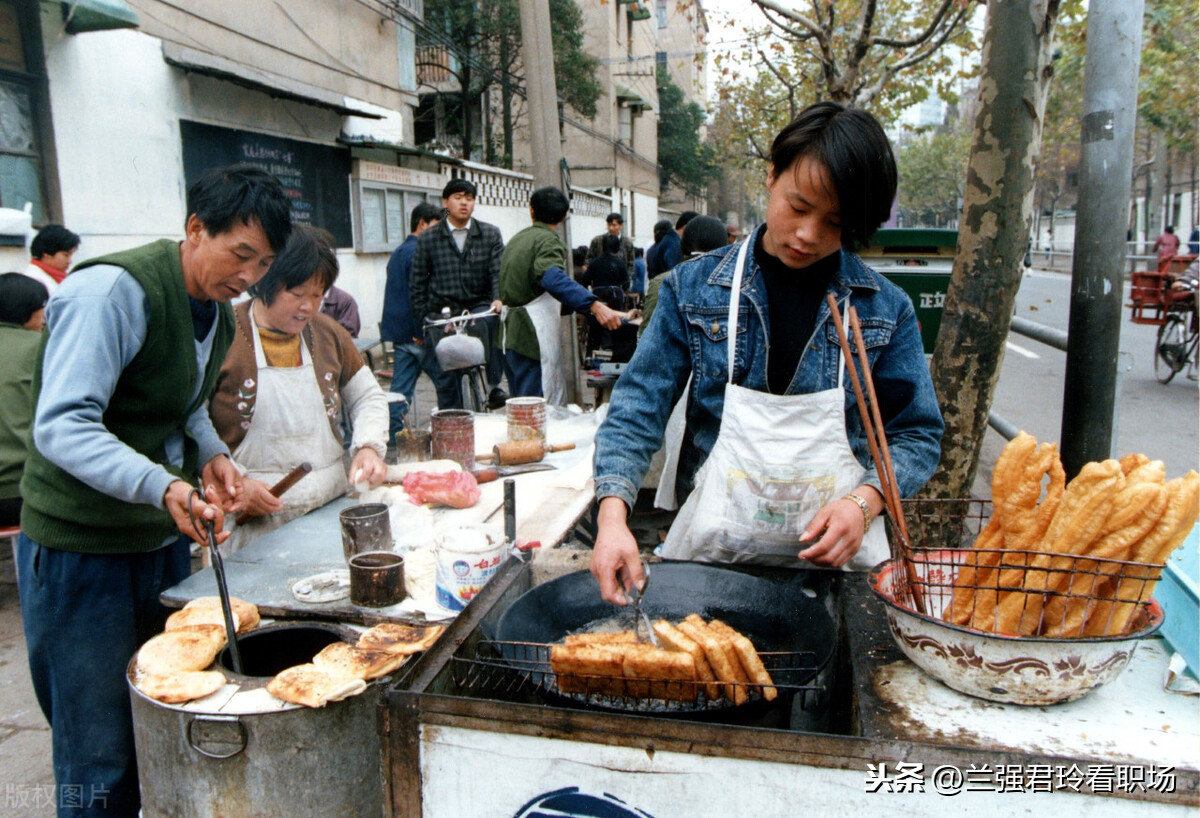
[{"x": 793, "y": 298}]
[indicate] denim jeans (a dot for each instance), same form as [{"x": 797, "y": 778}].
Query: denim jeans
[
  {"x": 408, "y": 362},
  {"x": 85, "y": 615},
  {"x": 524, "y": 375}
]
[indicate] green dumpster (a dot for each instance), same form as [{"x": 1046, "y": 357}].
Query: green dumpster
[{"x": 918, "y": 261}]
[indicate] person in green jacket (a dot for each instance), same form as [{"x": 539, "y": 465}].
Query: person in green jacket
[
  {"x": 133, "y": 344},
  {"x": 533, "y": 282},
  {"x": 22, "y": 308}
]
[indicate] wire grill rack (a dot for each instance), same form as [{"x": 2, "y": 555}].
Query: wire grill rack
[
  {"x": 508, "y": 669},
  {"x": 1025, "y": 593}
]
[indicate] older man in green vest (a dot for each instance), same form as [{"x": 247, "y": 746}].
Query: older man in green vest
[{"x": 134, "y": 341}]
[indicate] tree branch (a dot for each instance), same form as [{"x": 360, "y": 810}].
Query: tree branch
[
  {"x": 794, "y": 16},
  {"x": 799, "y": 35},
  {"x": 953, "y": 29},
  {"x": 862, "y": 40},
  {"x": 923, "y": 36}
]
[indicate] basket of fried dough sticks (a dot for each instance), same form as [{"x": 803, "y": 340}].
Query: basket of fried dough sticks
[{"x": 1050, "y": 599}]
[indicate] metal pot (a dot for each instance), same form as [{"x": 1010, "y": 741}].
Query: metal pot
[{"x": 248, "y": 754}]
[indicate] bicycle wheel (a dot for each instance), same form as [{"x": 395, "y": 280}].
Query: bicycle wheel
[
  {"x": 471, "y": 386},
  {"x": 1170, "y": 348}
]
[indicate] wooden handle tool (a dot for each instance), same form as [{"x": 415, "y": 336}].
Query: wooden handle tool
[
  {"x": 290, "y": 479},
  {"x": 524, "y": 451}
]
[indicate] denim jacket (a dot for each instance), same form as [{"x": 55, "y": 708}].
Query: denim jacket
[{"x": 688, "y": 336}]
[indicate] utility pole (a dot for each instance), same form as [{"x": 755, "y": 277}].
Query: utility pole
[
  {"x": 1114, "y": 44},
  {"x": 542, "y": 98}
]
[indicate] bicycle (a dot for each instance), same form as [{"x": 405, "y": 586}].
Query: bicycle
[
  {"x": 461, "y": 352},
  {"x": 1175, "y": 346}
]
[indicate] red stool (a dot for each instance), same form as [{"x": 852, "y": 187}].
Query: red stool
[{"x": 11, "y": 533}]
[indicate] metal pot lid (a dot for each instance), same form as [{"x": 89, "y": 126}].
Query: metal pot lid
[{"x": 327, "y": 586}]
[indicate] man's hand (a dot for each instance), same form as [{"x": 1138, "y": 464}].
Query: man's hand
[
  {"x": 258, "y": 499},
  {"x": 367, "y": 466},
  {"x": 616, "y": 563},
  {"x": 220, "y": 477},
  {"x": 497, "y": 305},
  {"x": 838, "y": 529},
  {"x": 608, "y": 317},
  {"x": 178, "y": 498}
]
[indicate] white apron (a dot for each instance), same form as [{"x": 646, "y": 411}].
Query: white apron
[
  {"x": 776, "y": 461},
  {"x": 544, "y": 313},
  {"x": 290, "y": 426}
]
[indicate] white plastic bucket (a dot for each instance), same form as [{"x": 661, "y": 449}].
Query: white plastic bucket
[{"x": 467, "y": 557}]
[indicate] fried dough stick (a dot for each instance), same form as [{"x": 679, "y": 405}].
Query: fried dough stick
[
  {"x": 974, "y": 597},
  {"x": 1079, "y": 518},
  {"x": 1136, "y": 510},
  {"x": 1112, "y": 618}
]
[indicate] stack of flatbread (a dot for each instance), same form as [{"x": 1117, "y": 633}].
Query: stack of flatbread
[
  {"x": 695, "y": 655},
  {"x": 170, "y": 666},
  {"x": 340, "y": 670},
  {"x": 206, "y": 610}
]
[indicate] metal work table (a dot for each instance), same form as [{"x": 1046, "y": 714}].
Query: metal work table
[{"x": 549, "y": 504}]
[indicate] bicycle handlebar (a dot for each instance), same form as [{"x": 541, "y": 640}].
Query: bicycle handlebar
[{"x": 461, "y": 318}]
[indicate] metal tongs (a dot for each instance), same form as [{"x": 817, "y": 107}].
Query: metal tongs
[
  {"x": 222, "y": 587},
  {"x": 639, "y": 616}
]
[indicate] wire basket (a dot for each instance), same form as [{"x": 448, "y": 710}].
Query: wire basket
[
  {"x": 506, "y": 669},
  {"x": 1016, "y": 593}
]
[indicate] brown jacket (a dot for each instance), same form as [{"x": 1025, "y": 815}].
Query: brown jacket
[{"x": 335, "y": 361}]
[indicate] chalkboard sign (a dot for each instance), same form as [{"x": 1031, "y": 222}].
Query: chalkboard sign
[{"x": 316, "y": 177}]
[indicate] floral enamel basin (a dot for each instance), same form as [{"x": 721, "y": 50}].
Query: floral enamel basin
[{"x": 1026, "y": 670}]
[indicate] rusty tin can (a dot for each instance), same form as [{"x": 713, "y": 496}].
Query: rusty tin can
[{"x": 454, "y": 436}]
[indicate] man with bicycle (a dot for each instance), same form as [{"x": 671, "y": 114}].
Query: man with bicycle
[{"x": 457, "y": 265}]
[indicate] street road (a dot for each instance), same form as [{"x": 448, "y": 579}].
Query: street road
[{"x": 1161, "y": 421}]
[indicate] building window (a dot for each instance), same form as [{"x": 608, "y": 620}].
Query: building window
[
  {"x": 660, "y": 9},
  {"x": 384, "y": 211},
  {"x": 625, "y": 125},
  {"x": 21, "y": 168}
]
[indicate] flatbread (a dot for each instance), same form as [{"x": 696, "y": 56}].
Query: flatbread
[
  {"x": 189, "y": 617},
  {"x": 312, "y": 687},
  {"x": 396, "y": 638},
  {"x": 181, "y": 686},
  {"x": 245, "y": 614},
  {"x": 346, "y": 661},
  {"x": 191, "y": 648}
]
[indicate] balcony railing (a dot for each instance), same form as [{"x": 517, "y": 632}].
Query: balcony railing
[{"x": 434, "y": 64}]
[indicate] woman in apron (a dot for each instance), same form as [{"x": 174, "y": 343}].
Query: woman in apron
[
  {"x": 288, "y": 376},
  {"x": 771, "y": 455}
]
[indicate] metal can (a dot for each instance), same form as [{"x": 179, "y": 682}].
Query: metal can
[
  {"x": 454, "y": 436},
  {"x": 526, "y": 419}
]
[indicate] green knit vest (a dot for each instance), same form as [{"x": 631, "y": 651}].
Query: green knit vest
[{"x": 151, "y": 400}]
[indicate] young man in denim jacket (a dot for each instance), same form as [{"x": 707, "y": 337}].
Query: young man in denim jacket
[{"x": 831, "y": 184}]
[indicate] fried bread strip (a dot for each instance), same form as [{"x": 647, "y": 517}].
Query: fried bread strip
[
  {"x": 1136, "y": 510},
  {"x": 1076, "y": 523},
  {"x": 674, "y": 639},
  {"x": 1113, "y": 617},
  {"x": 724, "y": 664},
  {"x": 748, "y": 656}
]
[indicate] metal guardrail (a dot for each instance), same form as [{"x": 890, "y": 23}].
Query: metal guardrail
[{"x": 1049, "y": 336}]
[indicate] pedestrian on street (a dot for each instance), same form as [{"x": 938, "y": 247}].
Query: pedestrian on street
[
  {"x": 533, "y": 282},
  {"x": 401, "y": 327},
  {"x": 669, "y": 253},
  {"x": 616, "y": 223},
  {"x": 341, "y": 307},
  {"x": 638, "y": 287},
  {"x": 22, "y": 317},
  {"x": 120, "y": 432},
  {"x": 50, "y": 255},
  {"x": 1167, "y": 247},
  {"x": 457, "y": 265}
]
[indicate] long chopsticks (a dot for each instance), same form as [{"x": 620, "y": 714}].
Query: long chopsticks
[{"x": 876, "y": 439}]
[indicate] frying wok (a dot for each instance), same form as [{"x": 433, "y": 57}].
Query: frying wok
[{"x": 780, "y": 611}]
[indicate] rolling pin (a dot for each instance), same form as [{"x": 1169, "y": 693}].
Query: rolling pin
[
  {"x": 523, "y": 451},
  {"x": 290, "y": 479}
]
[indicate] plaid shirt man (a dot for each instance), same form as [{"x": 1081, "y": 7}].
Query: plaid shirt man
[{"x": 443, "y": 276}]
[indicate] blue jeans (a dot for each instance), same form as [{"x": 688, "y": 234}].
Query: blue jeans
[
  {"x": 408, "y": 362},
  {"x": 85, "y": 615},
  {"x": 524, "y": 375}
]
